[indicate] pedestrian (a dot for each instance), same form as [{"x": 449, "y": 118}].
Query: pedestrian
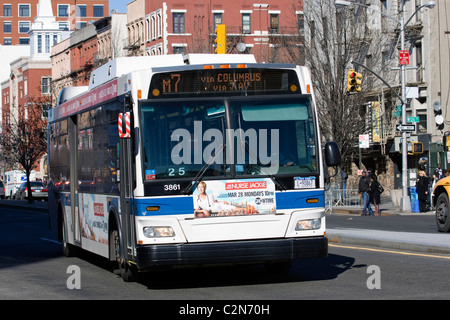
[
  {"x": 422, "y": 191},
  {"x": 438, "y": 171},
  {"x": 344, "y": 182},
  {"x": 375, "y": 194},
  {"x": 431, "y": 188},
  {"x": 363, "y": 189}
]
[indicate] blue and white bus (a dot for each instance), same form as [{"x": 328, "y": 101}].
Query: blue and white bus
[{"x": 185, "y": 160}]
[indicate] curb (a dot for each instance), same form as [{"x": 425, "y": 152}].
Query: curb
[
  {"x": 357, "y": 212},
  {"x": 31, "y": 207},
  {"x": 392, "y": 240}
]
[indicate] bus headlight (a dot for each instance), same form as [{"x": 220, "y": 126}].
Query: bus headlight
[
  {"x": 308, "y": 224},
  {"x": 158, "y": 232}
]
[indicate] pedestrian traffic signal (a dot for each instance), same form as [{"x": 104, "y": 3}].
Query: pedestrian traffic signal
[
  {"x": 416, "y": 148},
  {"x": 354, "y": 80},
  {"x": 221, "y": 39}
]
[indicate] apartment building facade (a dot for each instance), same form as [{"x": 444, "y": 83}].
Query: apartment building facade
[
  {"x": 189, "y": 27},
  {"x": 16, "y": 17}
]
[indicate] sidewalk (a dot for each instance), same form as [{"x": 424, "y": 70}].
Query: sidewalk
[
  {"x": 411, "y": 241},
  {"x": 387, "y": 208},
  {"x": 41, "y": 206}
]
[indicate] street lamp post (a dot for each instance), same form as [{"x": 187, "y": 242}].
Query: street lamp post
[{"x": 405, "y": 202}]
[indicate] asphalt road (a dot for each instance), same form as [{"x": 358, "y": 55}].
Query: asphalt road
[
  {"x": 402, "y": 223},
  {"x": 32, "y": 267}
]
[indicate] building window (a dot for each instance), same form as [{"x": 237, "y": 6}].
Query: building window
[
  {"x": 218, "y": 19},
  {"x": 7, "y": 27},
  {"x": 39, "y": 43},
  {"x": 7, "y": 10},
  {"x": 179, "y": 50},
  {"x": 274, "y": 23},
  {"x": 81, "y": 11},
  {"x": 246, "y": 23},
  {"x": 24, "y": 26},
  {"x": 63, "y": 25},
  {"x": 46, "y": 87},
  {"x": 7, "y": 41},
  {"x": 81, "y": 24},
  {"x": 422, "y": 125},
  {"x": 153, "y": 25},
  {"x": 178, "y": 22},
  {"x": 98, "y": 11},
  {"x": 301, "y": 23},
  {"x": 24, "y": 41},
  {"x": 24, "y": 10},
  {"x": 63, "y": 10},
  {"x": 159, "y": 23}
]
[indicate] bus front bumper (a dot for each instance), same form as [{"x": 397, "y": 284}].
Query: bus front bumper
[{"x": 250, "y": 251}]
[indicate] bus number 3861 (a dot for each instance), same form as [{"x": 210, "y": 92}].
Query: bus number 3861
[{"x": 172, "y": 187}]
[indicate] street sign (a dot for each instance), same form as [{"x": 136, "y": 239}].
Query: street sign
[
  {"x": 412, "y": 119},
  {"x": 364, "y": 141},
  {"x": 397, "y": 113},
  {"x": 406, "y": 127},
  {"x": 404, "y": 57}
]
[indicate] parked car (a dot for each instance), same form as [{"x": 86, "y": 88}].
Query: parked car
[
  {"x": 2, "y": 190},
  {"x": 38, "y": 191}
]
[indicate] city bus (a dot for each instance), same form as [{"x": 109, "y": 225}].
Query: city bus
[{"x": 189, "y": 160}]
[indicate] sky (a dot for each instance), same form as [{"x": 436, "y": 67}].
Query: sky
[{"x": 120, "y": 5}]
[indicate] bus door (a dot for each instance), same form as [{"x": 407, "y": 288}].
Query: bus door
[
  {"x": 127, "y": 226},
  {"x": 74, "y": 210}
]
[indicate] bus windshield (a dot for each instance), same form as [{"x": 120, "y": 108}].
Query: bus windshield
[{"x": 228, "y": 137}]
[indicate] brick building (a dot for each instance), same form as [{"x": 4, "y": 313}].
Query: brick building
[
  {"x": 263, "y": 29},
  {"x": 29, "y": 86},
  {"x": 16, "y": 17}
]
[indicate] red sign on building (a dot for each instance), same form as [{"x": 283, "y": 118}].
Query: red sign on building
[{"x": 404, "y": 57}]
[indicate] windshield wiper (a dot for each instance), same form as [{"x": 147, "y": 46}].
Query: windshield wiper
[{"x": 201, "y": 173}]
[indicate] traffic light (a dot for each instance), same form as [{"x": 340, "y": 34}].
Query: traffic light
[
  {"x": 354, "y": 80},
  {"x": 221, "y": 39},
  {"x": 446, "y": 141}
]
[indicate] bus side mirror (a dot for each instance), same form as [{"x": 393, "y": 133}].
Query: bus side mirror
[{"x": 332, "y": 154}]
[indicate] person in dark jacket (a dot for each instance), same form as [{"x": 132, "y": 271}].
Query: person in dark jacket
[
  {"x": 363, "y": 189},
  {"x": 422, "y": 190},
  {"x": 375, "y": 194}
]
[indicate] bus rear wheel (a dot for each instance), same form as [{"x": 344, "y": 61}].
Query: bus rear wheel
[
  {"x": 442, "y": 213},
  {"x": 127, "y": 271}
]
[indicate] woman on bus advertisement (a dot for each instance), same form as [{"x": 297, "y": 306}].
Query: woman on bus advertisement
[{"x": 238, "y": 197}]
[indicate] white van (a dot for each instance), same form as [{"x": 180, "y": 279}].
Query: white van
[{"x": 13, "y": 179}]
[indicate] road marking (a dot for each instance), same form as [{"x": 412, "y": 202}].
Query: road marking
[{"x": 390, "y": 251}]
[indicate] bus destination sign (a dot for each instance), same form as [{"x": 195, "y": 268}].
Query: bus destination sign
[{"x": 223, "y": 82}]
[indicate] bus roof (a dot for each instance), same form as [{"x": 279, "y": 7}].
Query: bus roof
[{"x": 120, "y": 66}]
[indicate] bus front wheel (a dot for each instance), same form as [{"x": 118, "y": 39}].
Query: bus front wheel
[{"x": 127, "y": 271}]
